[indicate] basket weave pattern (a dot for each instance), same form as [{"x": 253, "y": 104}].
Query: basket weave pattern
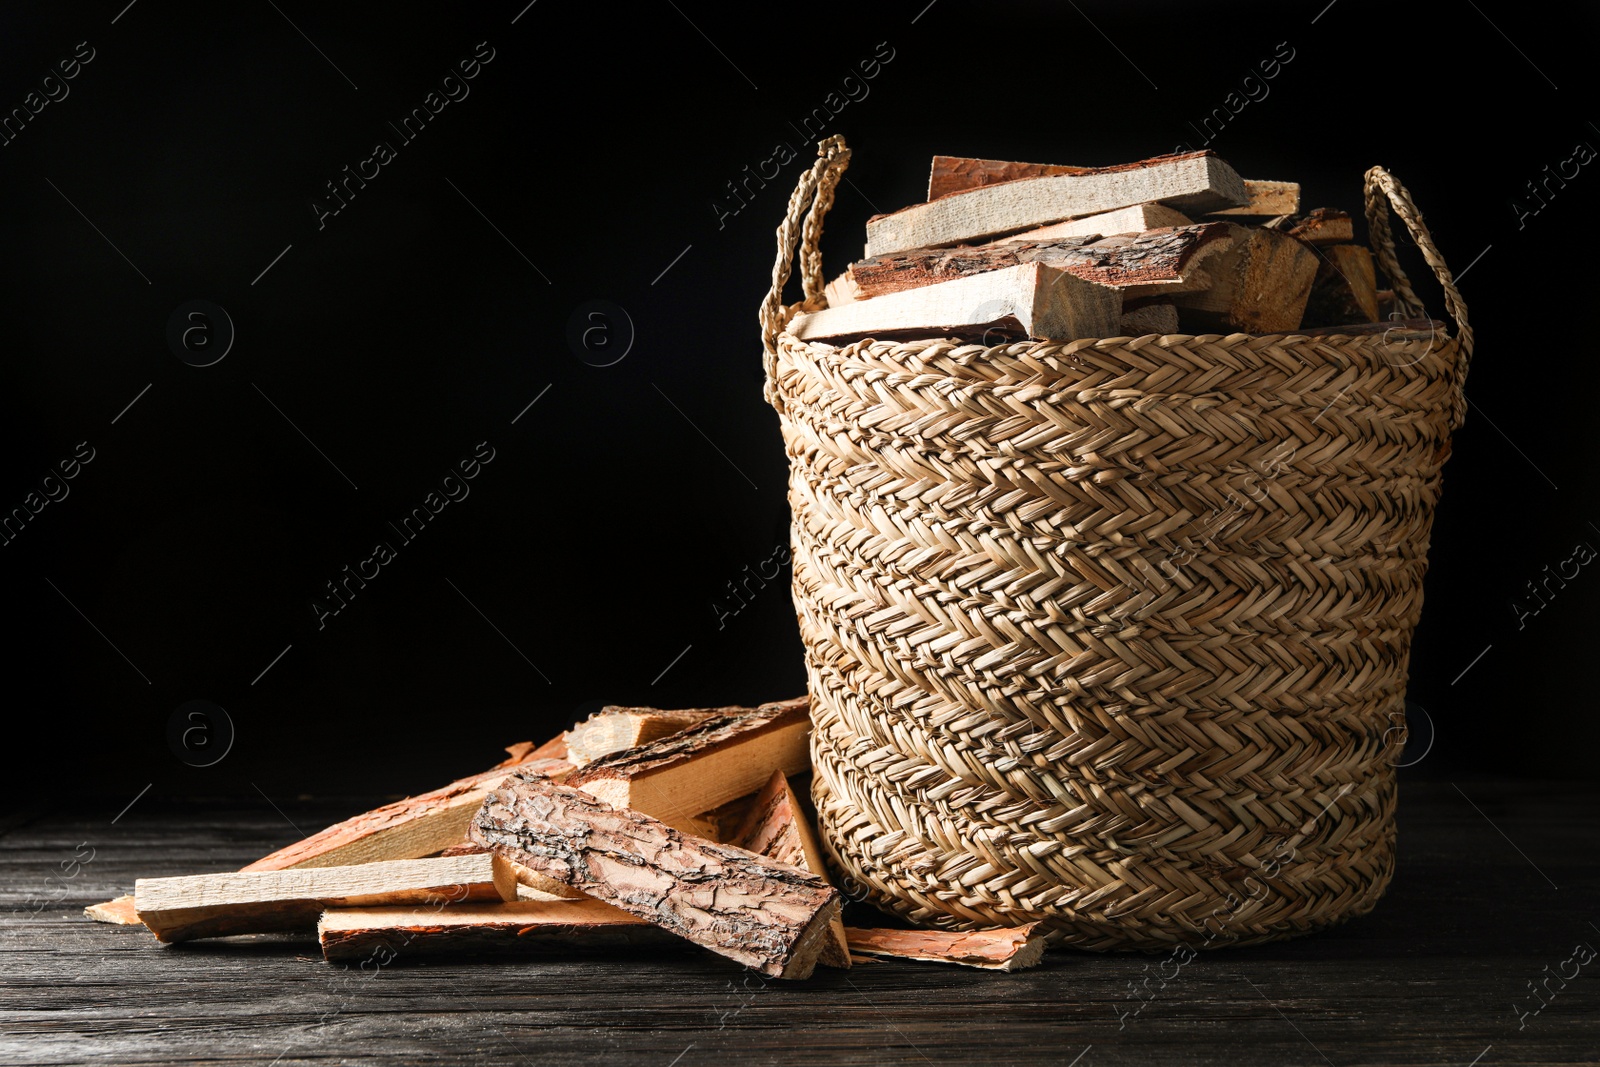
[{"x": 1111, "y": 634}]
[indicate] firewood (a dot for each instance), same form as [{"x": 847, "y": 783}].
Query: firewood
[
  {"x": 1006, "y": 948},
  {"x": 1266, "y": 199},
  {"x": 518, "y": 928},
  {"x": 254, "y": 902},
  {"x": 615, "y": 729},
  {"x": 1136, "y": 219},
  {"x": 1259, "y": 285},
  {"x": 763, "y": 914},
  {"x": 841, "y": 291},
  {"x": 956, "y": 174},
  {"x": 1031, "y": 300},
  {"x": 1345, "y": 289},
  {"x": 711, "y": 763},
  {"x": 1149, "y": 316},
  {"x": 1145, "y": 264},
  {"x": 1197, "y": 181},
  {"x": 416, "y": 826},
  {"x": 1320, "y": 226},
  {"x": 527, "y": 878},
  {"x": 777, "y": 828},
  {"x": 119, "y": 911}
]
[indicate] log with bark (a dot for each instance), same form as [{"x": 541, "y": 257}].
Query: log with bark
[
  {"x": 254, "y": 902},
  {"x": 765, "y": 915},
  {"x": 1320, "y": 226},
  {"x": 1007, "y": 948},
  {"x": 718, "y": 760},
  {"x": 1194, "y": 181},
  {"x": 776, "y": 827},
  {"x": 616, "y": 729}
]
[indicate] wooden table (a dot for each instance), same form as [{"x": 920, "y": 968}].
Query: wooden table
[{"x": 1497, "y": 883}]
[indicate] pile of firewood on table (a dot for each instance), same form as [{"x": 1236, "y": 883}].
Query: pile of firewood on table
[
  {"x": 635, "y": 827},
  {"x": 1179, "y": 243}
]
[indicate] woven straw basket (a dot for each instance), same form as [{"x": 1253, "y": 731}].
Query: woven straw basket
[{"x": 1112, "y": 634}]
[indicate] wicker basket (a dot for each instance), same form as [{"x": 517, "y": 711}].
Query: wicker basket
[{"x": 1112, "y": 634}]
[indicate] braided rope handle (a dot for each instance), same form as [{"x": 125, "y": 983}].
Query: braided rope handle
[
  {"x": 1382, "y": 190},
  {"x": 813, "y": 196}
]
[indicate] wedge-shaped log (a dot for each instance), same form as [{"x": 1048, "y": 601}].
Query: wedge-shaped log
[
  {"x": 1032, "y": 299},
  {"x": 1320, "y": 226},
  {"x": 776, "y": 827},
  {"x": 1192, "y": 182},
  {"x": 1142, "y": 264},
  {"x": 1345, "y": 290},
  {"x": 616, "y": 729},
  {"x": 255, "y": 902},
  {"x": 1259, "y": 285},
  {"x": 766, "y": 915},
  {"x": 1266, "y": 199},
  {"x": 522, "y": 927},
  {"x": 1008, "y": 948},
  {"x": 705, "y": 766}
]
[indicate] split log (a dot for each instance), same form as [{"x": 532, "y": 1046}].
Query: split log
[
  {"x": 526, "y": 877},
  {"x": 777, "y": 828},
  {"x": 957, "y": 174},
  {"x": 1030, "y": 300},
  {"x": 1321, "y": 226},
  {"x": 1197, "y": 181},
  {"x": 1149, "y": 316},
  {"x": 518, "y": 928},
  {"x": 1345, "y": 289},
  {"x": 721, "y": 759},
  {"x": 841, "y": 291},
  {"x": 1008, "y": 948},
  {"x": 255, "y": 902},
  {"x": 1266, "y": 199},
  {"x": 1259, "y": 285},
  {"x": 615, "y": 729},
  {"x": 1144, "y": 264},
  {"x": 1136, "y": 219},
  {"x": 762, "y": 914}
]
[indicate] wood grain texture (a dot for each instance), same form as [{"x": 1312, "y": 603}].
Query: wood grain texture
[
  {"x": 1135, "y": 219},
  {"x": 1143, "y": 264},
  {"x": 1197, "y": 181},
  {"x": 1035, "y": 299},
  {"x": 617, "y": 729},
  {"x": 251, "y": 902},
  {"x": 1321, "y": 226},
  {"x": 1265, "y": 199},
  {"x": 776, "y": 827},
  {"x": 583, "y": 925},
  {"x": 1429, "y": 977},
  {"x": 718, "y": 760},
  {"x": 1011, "y": 948},
  {"x": 957, "y": 174},
  {"x": 1259, "y": 285},
  {"x": 1345, "y": 290},
  {"x": 766, "y": 915},
  {"x": 1149, "y": 316}
]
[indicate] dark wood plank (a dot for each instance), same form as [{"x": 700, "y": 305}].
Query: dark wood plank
[{"x": 1429, "y": 978}]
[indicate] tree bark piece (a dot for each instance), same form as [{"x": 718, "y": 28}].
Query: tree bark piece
[
  {"x": 996, "y": 949},
  {"x": 238, "y": 902},
  {"x": 763, "y": 914},
  {"x": 522, "y": 927},
  {"x": 1259, "y": 285},
  {"x": 1197, "y": 181},
  {"x": 1345, "y": 290},
  {"x": 1032, "y": 299},
  {"x": 777, "y": 828},
  {"x": 1136, "y": 219},
  {"x": 407, "y": 829},
  {"x": 718, "y": 760},
  {"x": 1144, "y": 264},
  {"x": 957, "y": 174},
  {"x": 615, "y": 729},
  {"x": 1266, "y": 199}
]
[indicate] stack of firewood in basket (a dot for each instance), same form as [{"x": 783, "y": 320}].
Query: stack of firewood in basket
[
  {"x": 1181, "y": 243},
  {"x": 637, "y": 827}
]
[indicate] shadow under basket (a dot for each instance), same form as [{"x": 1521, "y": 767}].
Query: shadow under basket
[{"x": 1112, "y": 634}]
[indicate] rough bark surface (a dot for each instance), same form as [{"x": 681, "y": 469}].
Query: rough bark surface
[
  {"x": 956, "y": 174},
  {"x": 763, "y": 914},
  {"x": 1159, "y": 259},
  {"x": 776, "y": 827},
  {"x": 997, "y": 949}
]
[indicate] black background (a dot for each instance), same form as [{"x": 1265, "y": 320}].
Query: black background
[{"x": 587, "y": 558}]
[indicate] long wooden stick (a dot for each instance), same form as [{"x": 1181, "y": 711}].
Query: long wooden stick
[
  {"x": 518, "y": 928},
  {"x": 766, "y": 915},
  {"x": 998, "y": 949}
]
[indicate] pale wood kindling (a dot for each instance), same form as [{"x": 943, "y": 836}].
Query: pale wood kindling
[
  {"x": 1005, "y": 948},
  {"x": 521, "y": 927}
]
